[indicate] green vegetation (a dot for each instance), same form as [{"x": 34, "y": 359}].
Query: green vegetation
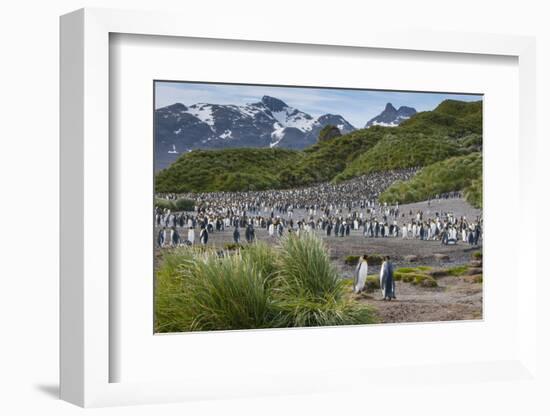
[
  {"x": 232, "y": 246},
  {"x": 328, "y": 132},
  {"x": 424, "y": 280},
  {"x": 294, "y": 285},
  {"x": 372, "y": 283},
  {"x": 399, "y": 150},
  {"x": 454, "y": 174},
  {"x": 424, "y": 268},
  {"x": 472, "y": 143},
  {"x": 415, "y": 275},
  {"x": 474, "y": 192},
  {"x": 413, "y": 269},
  {"x": 229, "y": 170},
  {"x": 452, "y": 118},
  {"x": 311, "y": 291},
  {"x": 457, "y": 270},
  {"x": 324, "y": 160},
  {"x": 477, "y": 255},
  {"x": 164, "y": 203},
  {"x": 452, "y": 130},
  {"x": 351, "y": 260},
  {"x": 177, "y": 205}
]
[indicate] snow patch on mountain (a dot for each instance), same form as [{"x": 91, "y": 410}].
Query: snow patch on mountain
[
  {"x": 269, "y": 122},
  {"x": 291, "y": 117},
  {"x": 277, "y": 135},
  {"x": 391, "y": 117},
  {"x": 203, "y": 112},
  {"x": 248, "y": 110},
  {"x": 227, "y": 134}
]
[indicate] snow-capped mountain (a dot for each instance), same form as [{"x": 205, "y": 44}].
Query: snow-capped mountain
[
  {"x": 267, "y": 123},
  {"x": 391, "y": 117}
]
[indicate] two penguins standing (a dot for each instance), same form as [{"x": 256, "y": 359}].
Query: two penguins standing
[{"x": 387, "y": 283}]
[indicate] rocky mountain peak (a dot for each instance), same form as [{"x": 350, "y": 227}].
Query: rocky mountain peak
[
  {"x": 391, "y": 117},
  {"x": 274, "y": 104}
]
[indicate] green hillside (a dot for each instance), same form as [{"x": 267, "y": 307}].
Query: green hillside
[
  {"x": 451, "y": 118},
  {"x": 401, "y": 150},
  {"x": 228, "y": 170},
  {"x": 453, "y": 129},
  {"x": 324, "y": 160},
  {"x": 462, "y": 173}
]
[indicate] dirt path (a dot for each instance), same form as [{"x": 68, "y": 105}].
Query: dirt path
[{"x": 453, "y": 299}]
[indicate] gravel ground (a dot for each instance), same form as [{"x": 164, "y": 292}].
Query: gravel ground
[{"x": 453, "y": 300}]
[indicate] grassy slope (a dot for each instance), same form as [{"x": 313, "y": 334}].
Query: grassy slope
[
  {"x": 228, "y": 170},
  {"x": 454, "y": 174},
  {"x": 401, "y": 150},
  {"x": 454, "y": 128},
  {"x": 261, "y": 168},
  {"x": 451, "y": 118},
  {"x": 324, "y": 160}
]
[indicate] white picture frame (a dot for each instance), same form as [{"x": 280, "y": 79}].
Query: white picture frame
[{"x": 85, "y": 351}]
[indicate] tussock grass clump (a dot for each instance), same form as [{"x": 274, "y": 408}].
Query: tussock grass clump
[
  {"x": 263, "y": 257},
  {"x": 232, "y": 246},
  {"x": 168, "y": 287},
  {"x": 437, "y": 272},
  {"x": 424, "y": 280},
  {"x": 459, "y": 173},
  {"x": 306, "y": 268},
  {"x": 218, "y": 293},
  {"x": 477, "y": 255},
  {"x": 181, "y": 204},
  {"x": 406, "y": 269},
  {"x": 351, "y": 260},
  {"x": 476, "y": 278},
  {"x": 375, "y": 259},
  {"x": 310, "y": 290},
  {"x": 474, "y": 192},
  {"x": 347, "y": 283},
  {"x": 424, "y": 268},
  {"x": 372, "y": 283},
  {"x": 415, "y": 275},
  {"x": 305, "y": 312},
  {"x": 457, "y": 270},
  {"x": 164, "y": 203},
  {"x": 256, "y": 287},
  {"x": 417, "y": 269},
  {"x": 408, "y": 277}
]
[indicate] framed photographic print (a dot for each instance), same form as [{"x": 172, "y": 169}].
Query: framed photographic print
[
  {"x": 267, "y": 216},
  {"x": 249, "y": 208}
]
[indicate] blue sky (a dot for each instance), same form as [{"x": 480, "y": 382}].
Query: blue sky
[{"x": 356, "y": 106}]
